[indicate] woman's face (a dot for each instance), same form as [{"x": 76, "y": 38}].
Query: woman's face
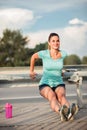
[{"x": 54, "y": 42}]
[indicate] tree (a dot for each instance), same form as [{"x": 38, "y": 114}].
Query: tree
[
  {"x": 72, "y": 60},
  {"x": 41, "y": 46},
  {"x": 12, "y": 48},
  {"x": 84, "y": 60}
]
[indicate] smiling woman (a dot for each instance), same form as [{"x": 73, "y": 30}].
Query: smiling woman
[{"x": 51, "y": 85}]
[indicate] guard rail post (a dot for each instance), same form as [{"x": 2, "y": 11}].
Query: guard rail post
[
  {"x": 79, "y": 92},
  {"x": 77, "y": 79}
]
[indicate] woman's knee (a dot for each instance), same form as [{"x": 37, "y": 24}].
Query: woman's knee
[
  {"x": 61, "y": 95},
  {"x": 51, "y": 95},
  {"x": 45, "y": 92}
]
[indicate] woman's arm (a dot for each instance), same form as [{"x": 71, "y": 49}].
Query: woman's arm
[{"x": 32, "y": 64}]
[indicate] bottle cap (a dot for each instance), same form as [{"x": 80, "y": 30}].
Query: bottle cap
[{"x": 8, "y": 105}]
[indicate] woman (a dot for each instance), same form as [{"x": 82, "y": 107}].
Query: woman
[{"x": 51, "y": 85}]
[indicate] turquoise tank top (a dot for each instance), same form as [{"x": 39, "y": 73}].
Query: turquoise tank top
[{"x": 52, "y": 68}]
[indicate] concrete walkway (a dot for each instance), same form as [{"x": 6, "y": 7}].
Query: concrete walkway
[{"x": 39, "y": 116}]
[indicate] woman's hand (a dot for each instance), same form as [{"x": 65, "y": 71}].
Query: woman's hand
[
  {"x": 33, "y": 75},
  {"x": 32, "y": 63}
]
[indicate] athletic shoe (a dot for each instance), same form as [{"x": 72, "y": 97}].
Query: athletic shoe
[
  {"x": 64, "y": 113},
  {"x": 72, "y": 111}
]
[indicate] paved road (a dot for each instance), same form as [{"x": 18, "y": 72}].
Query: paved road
[{"x": 25, "y": 92}]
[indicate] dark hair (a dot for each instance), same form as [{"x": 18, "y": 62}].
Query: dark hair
[{"x": 51, "y": 35}]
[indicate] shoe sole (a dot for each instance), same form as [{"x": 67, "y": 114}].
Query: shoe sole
[
  {"x": 64, "y": 113},
  {"x": 74, "y": 111}
]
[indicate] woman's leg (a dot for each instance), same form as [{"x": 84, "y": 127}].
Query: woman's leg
[
  {"x": 49, "y": 94},
  {"x": 61, "y": 95},
  {"x": 69, "y": 113}
]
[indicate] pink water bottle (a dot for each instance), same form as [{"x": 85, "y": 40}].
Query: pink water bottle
[{"x": 8, "y": 110}]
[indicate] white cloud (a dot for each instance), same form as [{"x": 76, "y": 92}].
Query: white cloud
[
  {"x": 73, "y": 38},
  {"x": 15, "y": 18},
  {"x": 38, "y": 37},
  {"x": 76, "y": 21}
]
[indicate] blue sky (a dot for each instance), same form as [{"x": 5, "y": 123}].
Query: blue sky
[{"x": 38, "y": 18}]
